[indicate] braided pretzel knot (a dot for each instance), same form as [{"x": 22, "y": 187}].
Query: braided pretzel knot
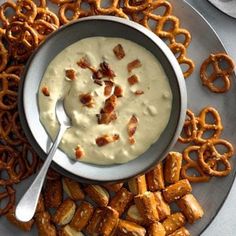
[
  {"x": 216, "y": 126},
  {"x": 210, "y": 149},
  {"x": 218, "y": 72},
  {"x": 179, "y": 51},
  {"x": 4, "y": 18},
  {"x": 112, "y": 8},
  {"x": 11, "y": 164},
  {"x": 9, "y": 194},
  {"x": 48, "y": 16},
  {"x": 192, "y": 164},
  {"x": 26, "y": 10},
  {"x": 136, "y": 5},
  {"x": 8, "y": 93},
  {"x": 189, "y": 131},
  {"x": 73, "y": 7}
]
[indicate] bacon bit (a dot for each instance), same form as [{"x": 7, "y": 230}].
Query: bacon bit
[
  {"x": 133, "y": 79},
  {"x": 84, "y": 63},
  {"x": 118, "y": 91},
  {"x": 71, "y": 74},
  {"x": 119, "y": 51},
  {"x": 86, "y": 99},
  {"x": 45, "y": 91},
  {"x": 79, "y": 152},
  {"x": 110, "y": 104},
  {"x": 138, "y": 92},
  {"x": 132, "y": 126},
  {"x": 106, "y": 139},
  {"x": 97, "y": 75},
  {"x": 134, "y": 64},
  {"x": 106, "y": 118},
  {"x": 108, "y": 88},
  {"x": 106, "y": 70}
]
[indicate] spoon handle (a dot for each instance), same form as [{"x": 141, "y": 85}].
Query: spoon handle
[{"x": 27, "y": 205}]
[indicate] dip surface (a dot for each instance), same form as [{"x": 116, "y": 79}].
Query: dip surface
[{"x": 149, "y": 100}]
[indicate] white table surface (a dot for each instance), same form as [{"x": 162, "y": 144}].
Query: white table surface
[{"x": 224, "y": 224}]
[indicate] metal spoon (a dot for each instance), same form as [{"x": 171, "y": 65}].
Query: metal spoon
[{"x": 27, "y": 205}]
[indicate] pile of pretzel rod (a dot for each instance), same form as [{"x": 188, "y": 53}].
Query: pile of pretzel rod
[{"x": 141, "y": 206}]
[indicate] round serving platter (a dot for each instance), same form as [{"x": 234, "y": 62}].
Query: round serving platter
[{"x": 211, "y": 195}]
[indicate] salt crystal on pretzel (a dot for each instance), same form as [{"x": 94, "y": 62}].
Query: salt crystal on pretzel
[
  {"x": 134, "y": 215},
  {"x": 121, "y": 199},
  {"x": 25, "y": 226},
  {"x": 172, "y": 168},
  {"x": 44, "y": 225},
  {"x": 162, "y": 207},
  {"x": 138, "y": 185},
  {"x": 109, "y": 221},
  {"x": 73, "y": 189},
  {"x": 82, "y": 216},
  {"x": 155, "y": 178},
  {"x": 127, "y": 228},
  {"x": 94, "y": 223},
  {"x": 191, "y": 208},
  {"x": 98, "y": 194},
  {"x": 180, "y": 232},
  {"x": 147, "y": 206},
  {"x": 64, "y": 212},
  {"x": 156, "y": 229},
  {"x": 53, "y": 193},
  {"x": 177, "y": 190},
  {"x": 174, "y": 222}
]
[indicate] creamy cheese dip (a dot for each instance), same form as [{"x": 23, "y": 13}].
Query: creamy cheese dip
[{"x": 152, "y": 108}]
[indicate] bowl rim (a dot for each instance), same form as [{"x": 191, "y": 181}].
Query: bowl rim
[{"x": 158, "y": 43}]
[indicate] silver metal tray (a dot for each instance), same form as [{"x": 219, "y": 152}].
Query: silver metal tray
[{"x": 204, "y": 41}]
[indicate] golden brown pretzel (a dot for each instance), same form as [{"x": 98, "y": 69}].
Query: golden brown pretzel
[
  {"x": 189, "y": 131},
  {"x": 59, "y": 2},
  {"x": 3, "y": 57},
  {"x": 179, "y": 50},
  {"x": 8, "y": 93},
  {"x": 26, "y": 10},
  {"x": 15, "y": 69},
  {"x": 4, "y": 18},
  {"x": 136, "y": 5},
  {"x": 218, "y": 73},
  {"x": 191, "y": 164},
  {"x": 208, "y": 151},
  {"x": 112, "y": 8},
  {"x": 9, "y": 194},
  {"x": 48, "y": 16},
  {"x": 5, "y": 124},
  {"x": 11, "y": 163},
  {"x": 73, "y": 7}
]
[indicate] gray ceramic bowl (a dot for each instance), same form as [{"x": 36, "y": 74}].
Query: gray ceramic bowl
[{"x": 106, "y": 26}]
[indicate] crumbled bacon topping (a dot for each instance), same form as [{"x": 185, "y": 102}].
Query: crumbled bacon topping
[
  {"x": 110, "y": 104},
  {"x": 98, "y": 82},
  {"x": 106, "y": 70},
  {"x": 84, "y": 63},
  {"x": 139, "y": 92},
  {"x": 134, "y": 64},
  {"x": 106, "y": 139},
  {"x": 119, "y": 51},
  {"x": 71, "y": 74},
  {"x": 86, "y": 99},
  {"x": 79, "y": 152},
  {"x": 108, "y": 88},
  {"x": 118, "y": 91},
  {"x": 106, "y": 118},
  {"x": 133, "y": 79},
  {"x": 132, "y": 126},
  {"x": 45, "y": 91},
  {"x": 97, "y": 75}
]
